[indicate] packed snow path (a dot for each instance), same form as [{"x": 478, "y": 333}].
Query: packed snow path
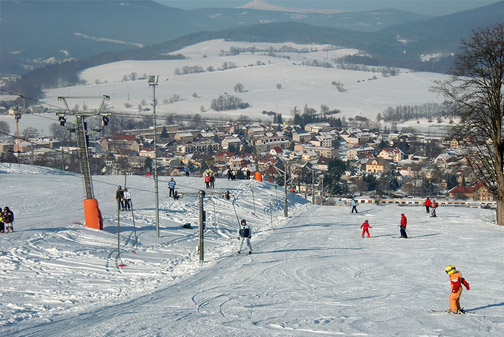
[{"x": 315, "y": 276}]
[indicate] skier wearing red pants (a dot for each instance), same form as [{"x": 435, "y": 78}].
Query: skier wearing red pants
[{"x": 365, "y": 228}]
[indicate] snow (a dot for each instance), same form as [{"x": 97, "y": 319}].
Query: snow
[
  {"x": 310, "y": 274},
  {"x": 366, "y": 95}
]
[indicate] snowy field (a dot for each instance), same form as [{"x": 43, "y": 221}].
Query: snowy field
[
  {"x": 366, "y": 93},
  {"x": 310, "y": 274}
]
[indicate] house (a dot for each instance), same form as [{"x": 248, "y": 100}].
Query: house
[
  {"x": 358, "y": 152},
  {"x": 322, "y": 141},
  {"x": 322, "y": 164},
  {"x": 120, "y": 143},
  {"x": 276, "y": 151},
  {"x": 462, "y": 192},
  {"x": 377, "y": 165},
  {"x": 393, "y": 154},
  {"x": 482, "y": 193},
  {"x": 234, "y": 141},
  {"x": 184, "y": 137},
  {"x": 301, "y": 137},
  {"x": 321, "y": 151},
  {"x": 318, "y": 127}
]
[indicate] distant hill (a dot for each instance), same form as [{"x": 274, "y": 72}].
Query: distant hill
[
  {"x": 34, "y": 33},
  {"x": 397, "y": 46}
]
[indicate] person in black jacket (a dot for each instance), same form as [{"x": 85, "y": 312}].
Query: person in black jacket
[
  {"x": 8, "y": 219},
  {"x": 120, "y": 198},
  {"x": 245, "y": 233}
]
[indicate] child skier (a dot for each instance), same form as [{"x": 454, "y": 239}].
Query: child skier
[
  {"x": 404, "y": 223},
  {"x": 365, "y": 228},
  {"x": 456, "y": 281},
  {"x": 433, "y": 208},
  {"x": 244, "y": 235}
]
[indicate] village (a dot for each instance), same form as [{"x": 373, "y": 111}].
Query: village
[{"x": 323, "y": 161}]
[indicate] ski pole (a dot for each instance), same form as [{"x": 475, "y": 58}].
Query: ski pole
[
  {"x": 134, "y": 227},
  {"x": 236, "y": 213}
]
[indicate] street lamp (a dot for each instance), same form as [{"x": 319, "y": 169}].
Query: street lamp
[{"x": 153, "y": 82}]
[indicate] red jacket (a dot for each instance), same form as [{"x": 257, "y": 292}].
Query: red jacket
[
  {"x": 365, "y": 225},
  {"x": 456, "y": 281},
  {"x": 404, "y": 221},
  {"x": 428, "y": 202}
]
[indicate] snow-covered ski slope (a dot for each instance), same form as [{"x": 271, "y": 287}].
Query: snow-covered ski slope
[{"x": 310, "y": 274}]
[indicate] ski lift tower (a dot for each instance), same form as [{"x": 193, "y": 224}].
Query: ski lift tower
[{"x": 91, "y": 211}]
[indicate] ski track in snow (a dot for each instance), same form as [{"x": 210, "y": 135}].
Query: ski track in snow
[{"x": 309, "y": 275}]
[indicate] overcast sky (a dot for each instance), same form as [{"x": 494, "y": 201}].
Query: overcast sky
[{"x": 431, "y": 7}]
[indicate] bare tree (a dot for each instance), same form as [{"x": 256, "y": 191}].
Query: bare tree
[
  {"x": 475, "y": 88},
  {"x": 30, "y": 132},
  {"x": 4, "y": 128},
  {"x": 239, "y": 87}
]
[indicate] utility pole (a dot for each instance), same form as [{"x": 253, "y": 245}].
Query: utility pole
[
  {"x": 322, "y": 192},
  {"x": 286, "y": 206},
  {"x": 313, "y": 187},
  {"x": 153, "y": 82},
  {"x": 82, "y": 142},
  {"x": 17, "y": 117},
  {"x": 201, "y": 194},
  {"x": 91, "y": 210}
]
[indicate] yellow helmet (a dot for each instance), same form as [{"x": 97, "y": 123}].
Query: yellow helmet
[{"x": 450, "y": 269}]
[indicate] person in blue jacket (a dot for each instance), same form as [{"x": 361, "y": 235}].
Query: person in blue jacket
[
  {"x": 244, "y": 235},
  {"x": 171, "y": 186}
]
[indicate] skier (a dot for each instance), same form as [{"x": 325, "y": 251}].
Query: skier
[
  {"x": 404, "y": 222},
  {"x": 427, "y": 204},
  {"x": 120, "y": 197},
  {"x": 354, "y": 205},
  {"x": 212, "y": 180},
  {"x": 127, "y": 199},
  {"x": 2, "y": 226},
  {"x": 433, "y": 208},
  {"x": 244, "y": 235},
  {"x": 171, "y": 186},
  {"x": 8, "y": 219},
  {"x": 365, "y": 228},
  {"x": 186, "y": 170},
  {"x": 456, "y": 281}
]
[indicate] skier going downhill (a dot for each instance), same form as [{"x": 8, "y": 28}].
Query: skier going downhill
[
  {"x": 456, "y": 281},
  {"x": 365, "y": 228},
  {"x": 244, "y": 235}
]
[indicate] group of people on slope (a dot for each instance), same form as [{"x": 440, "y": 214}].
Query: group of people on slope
[
  {"x": 431, "y": 206},
  {"x": 6, "y": 220},
  {"x": 209, "y": 177},
  {"x": 456, "y": 279},
  {"x": 123, "y": 197},
  {"x": 404, "y": 222}
]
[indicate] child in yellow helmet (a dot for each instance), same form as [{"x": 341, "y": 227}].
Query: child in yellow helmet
[{"x": 456, "y": 281}]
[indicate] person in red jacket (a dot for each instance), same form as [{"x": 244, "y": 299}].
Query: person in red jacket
[
  {"x": 365, "y": 228},
  {"x": 404, "y": 222},
  {"x": 456, "y": 281},
  {"x": 427, "y": 204},
  {"x": 433, "y": 210}
]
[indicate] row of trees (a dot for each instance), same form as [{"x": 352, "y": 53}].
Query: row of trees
[
  {"x": 228, "y": 102},
  {"x": 409, "y": 112}
]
